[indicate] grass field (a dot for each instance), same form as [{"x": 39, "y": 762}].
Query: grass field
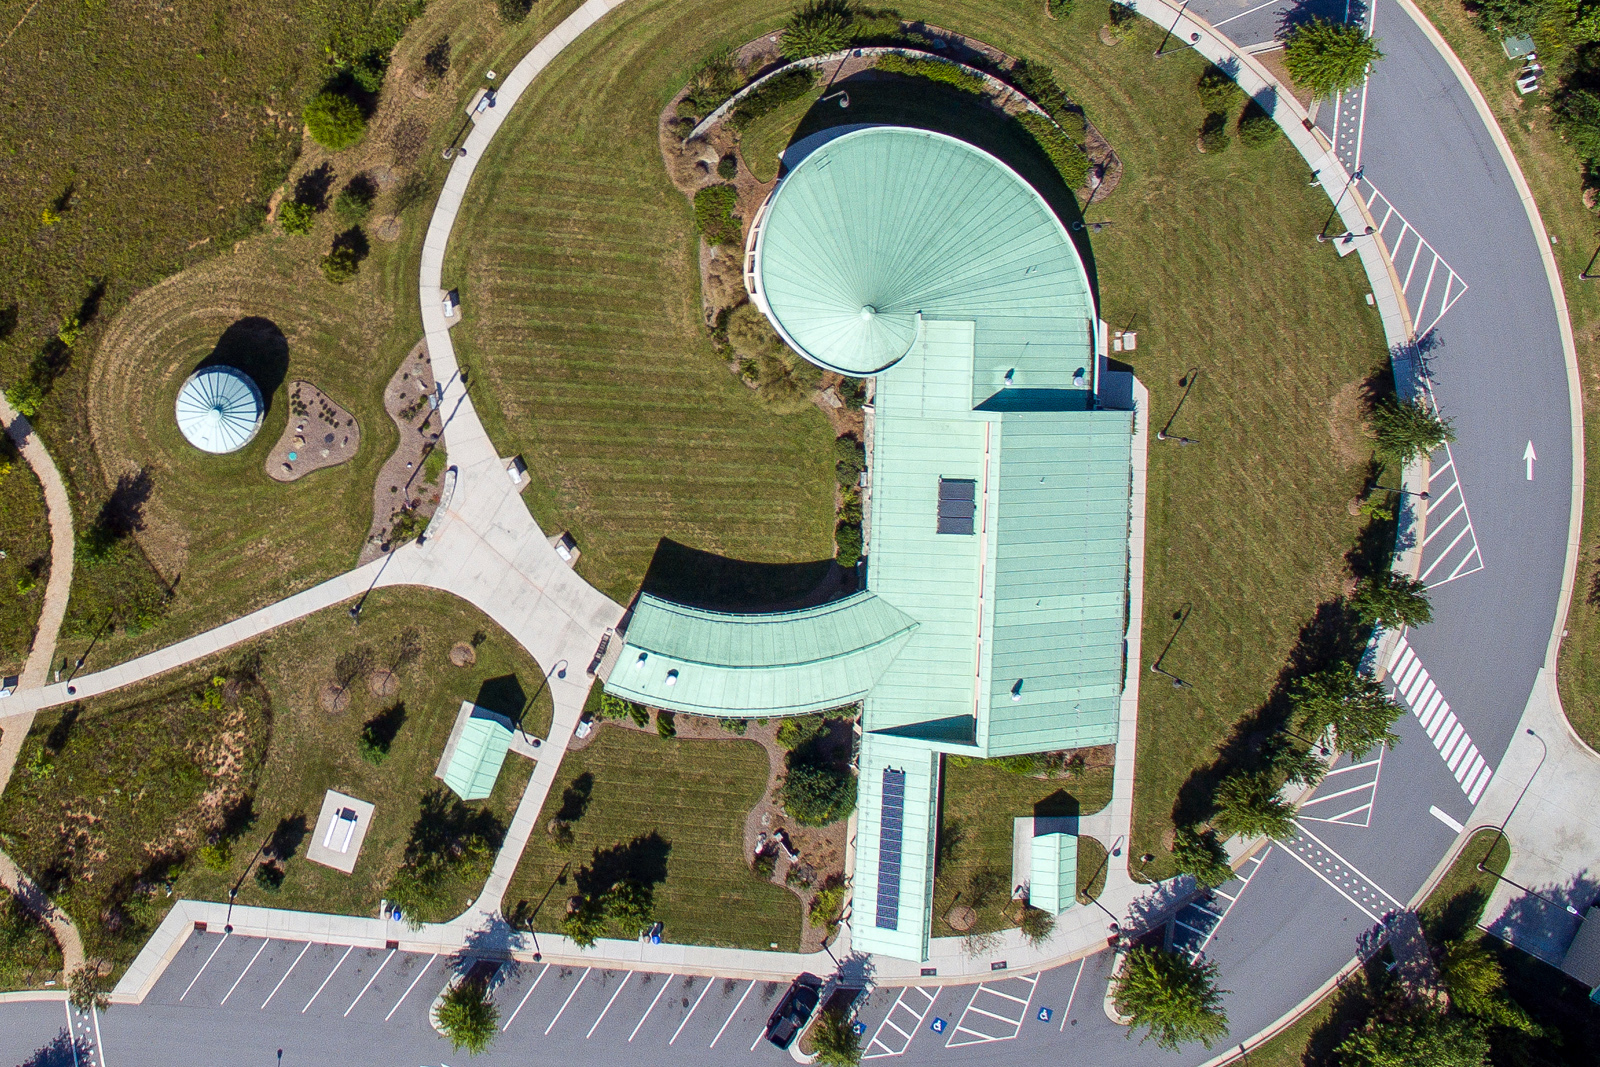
[
  {"x": 119, "y": 753},
  {"x": 768, "y": 135},
  {"x": 218, "y": 92},
  {"x": 579, "y": 254},
  {"x": 25, "y": 539},
  {"x": 673, "y": 811},
  {"x": 28, "y": 954},
  {"x": 1555, "y": 175},
  {"x": 979, "y": 801}
]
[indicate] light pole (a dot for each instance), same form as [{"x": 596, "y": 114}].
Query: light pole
[
  {"x": 844, "y": 98},
  {"x": 1545, "y": 754},
  {"x": 1355, "y": 176},
  {"x": 1584, "y": 275},
  {"x": 1402, "y": 492}
]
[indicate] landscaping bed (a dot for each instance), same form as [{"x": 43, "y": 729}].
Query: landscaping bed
[
  {"x": 318, "y": 434},
  {"x": 408, "y": 487}
]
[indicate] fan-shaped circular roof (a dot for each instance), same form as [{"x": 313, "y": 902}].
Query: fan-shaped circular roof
[
  {"x": 219, "y": 409},
  {"x": 882, "y": 223}
]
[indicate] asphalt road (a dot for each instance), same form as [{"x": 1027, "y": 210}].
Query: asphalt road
[{"x": 1495, "y": 366}]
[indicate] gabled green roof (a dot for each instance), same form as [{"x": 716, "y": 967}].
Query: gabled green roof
[
  {"x": 1053, "y": 868},
  {"x": 892, "y": 893},
  {"x": 782, "y": 663},
  {"x": 882, "y": 224},
  {"x": 477, "y": 750}
]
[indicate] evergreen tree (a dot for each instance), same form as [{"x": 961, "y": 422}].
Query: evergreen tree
[
  {"x": 1412, "y": 1034},
  {"x": 1329, "y": 57},
  {"x": 468, "y": 1017},
  {"x": 1174, "y": 999},
  {"x": 1392, "y": 600},
  {"x": 1408, "y": 429},
  {"x": 1477, "y": 987},
  {"x": 1248, "y": 804},
  {"x": 1200, "y": 854},
  {"x": 1350, "y": 705}
]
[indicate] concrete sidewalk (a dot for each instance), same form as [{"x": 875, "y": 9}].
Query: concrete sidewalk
[{"x": 59, "y": 509}]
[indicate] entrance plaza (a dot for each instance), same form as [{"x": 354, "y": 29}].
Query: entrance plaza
[{"x": 995, "y": 601}]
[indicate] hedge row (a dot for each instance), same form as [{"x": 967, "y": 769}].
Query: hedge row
[
  {"x": 1069, "y": 158},
  {"x": 773, "y": 94},
  {"x": 714, "y": 214},
  {"x": 936, "y": 70}
]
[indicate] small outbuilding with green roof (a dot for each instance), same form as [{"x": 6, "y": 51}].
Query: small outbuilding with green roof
[{"x": 475, "y": 751}]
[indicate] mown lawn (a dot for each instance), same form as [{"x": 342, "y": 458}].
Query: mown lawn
[
  {"x": 578, "y": 254},
  {"x": 217, "y": 92},
  {"x": 671, "y": 814},
  {"x": 136, "y": 772},
  {"x": 1555, "y": 175},
  {"x": 980, "y": 801},
  {"x": 25, "y": 540},
  {"x": 29, "y": 956}
]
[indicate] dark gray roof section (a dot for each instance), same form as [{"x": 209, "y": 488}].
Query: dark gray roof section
[
  {"x": 958, "y": 505},
  {"x": 1583, "y": 955},
  {"x": 889, "y": 841}
]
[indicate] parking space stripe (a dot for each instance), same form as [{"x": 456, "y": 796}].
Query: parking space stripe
[
  {"x": 328, "y": 979},
  {"x": 368, "y": 986},
  {"x": 421, "y": 971},
  {"x": 1019, "y": 1000},
  {"x": 1008, "y": 1021},
  {"x": 709, "y": 983},
  {"x": 898, "y": 1005},
  {"x": 244, "y": 972},
  {"x": 304, "y": 949},
  {"x": 1067, "y": 1011},
  {"x": 620, "y": 987},
  {"x": 582, "y": 979},
  {"x": 732, "y": 1013},
  {"x": 525, "y": 997},
  {"x": 665, "y": 981},
  {"x": 204, "y": 965}
]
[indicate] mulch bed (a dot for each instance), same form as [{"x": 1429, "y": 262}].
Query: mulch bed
[
  {"x": 401, "y": 484},
  {"x": 319, "y": 434}
]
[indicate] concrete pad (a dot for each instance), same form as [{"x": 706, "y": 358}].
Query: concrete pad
[{"x": 341, "y": 827}]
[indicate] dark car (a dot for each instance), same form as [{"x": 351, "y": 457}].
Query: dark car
[{"x": 794, "y": 1010}]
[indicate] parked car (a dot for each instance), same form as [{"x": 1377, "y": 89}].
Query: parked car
[{"x": 794, "y": 1010}]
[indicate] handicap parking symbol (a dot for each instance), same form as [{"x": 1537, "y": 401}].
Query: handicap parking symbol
[
  {"x": 938, "y": 1025},
  {"x": 1044, "y": 1015}
]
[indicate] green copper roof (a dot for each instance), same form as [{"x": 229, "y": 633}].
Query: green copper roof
[
  {"x": 1053, "y": 873},
  {"x": 472, "y": 766},
  {"x": 713, "y": 663},
  {"x": 893, "y": 886},
  {"x": 882, "y": 224}
]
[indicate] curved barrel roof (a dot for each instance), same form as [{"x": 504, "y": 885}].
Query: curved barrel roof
[
  {"x": 884, "y": 224},
  {"x": 219, "y": 409}
]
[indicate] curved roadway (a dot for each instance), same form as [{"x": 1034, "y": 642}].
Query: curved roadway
[{"x": 1497, "y": 363}]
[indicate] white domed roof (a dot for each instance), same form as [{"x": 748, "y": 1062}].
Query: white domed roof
[{"x": 219, "y": 409}]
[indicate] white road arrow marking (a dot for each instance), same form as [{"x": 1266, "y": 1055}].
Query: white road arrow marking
[{"x": 1528, "y": 456}]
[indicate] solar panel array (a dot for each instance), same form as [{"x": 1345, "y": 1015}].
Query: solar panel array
[
  {"x": 889, "y": 839},
  {"x": 958, "y": 504}
]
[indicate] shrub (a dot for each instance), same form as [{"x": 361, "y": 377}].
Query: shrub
[
  {"x": 728, "y": 166},
  {"x": 733, "y": 726},
  {"x": 817, "y": 796},
  {"x": 1257, "y": 129},
  {"x": 87, "y": 989},
  {"x": 776, "y": 91},
  {"x": 714, "y": 216},
  {"x": 798, "y": 730},
  {"x": 1214, "y": 133},
  {"x": 341, "y": 264},
  {"x": 827, "y": 905},
  {"x": 1038, "y": 83},
  {"x": 215, "y": 855},
  {"x": 1059, "y": 8},
  {"x": 716, "y": 78},
  {"x": 1173, "y": 998},
  {"x": 853, "y": 391},
  {"x": 269, "y": 876},
  {"x": 354, "y": 201},
  {"x": 1037, "y": 925},
  {"x": 835, "y": 1041},
  {"x": 296, "y": 218},
  {"x": 1217, "y": 89},
  {"x": 817, "y": 28},
  {"x": 765, "y": 864},
  {"x": 1124, "y": 20},
  {"x": 1577, "y": 113},
  {"x": 1200, "y": 854},
  {"x": 1415, "y": 1034},
  {"x": 513, "y": 10},
  {"x": 849, "y": 459},
  {"x": 666, "y": 723},
  {"x": 1408, "y": 430},
  {"x": 934, "y": 70},
  {"x": 1329, "y": 57},
  {"x": 1069, "y": 159},
  {"x": 749, "y": 332},
  {"x": 26, "y": 397},
  {"x": 847, "y": 535},
  {"x": 334, "y": 120}
]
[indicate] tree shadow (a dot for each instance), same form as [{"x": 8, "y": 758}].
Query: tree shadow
[
  {"x": 355, "y": 239},
  {"x": 1339, "y": 11},
  {"x": 1349, "y": 1008},
  {"x": 382, "y": 728},
  {"x": 63, "y": 1051},
  {"x": 1538, "y": 922},
  {"x": 256, "y": 346},
  {"x": 286, "y": 837},
  {"x": 312, "y": 187},
  {"x": 486, "y": 952},
  {"x": 503, "y": 695},
  {"x": 123, "y": 512},
  {"x": 575, "y": 798},
  {"x": 642, "y": 860},
  {"x": 445, "y": 825},
  {"x": 706, "y": 580},
  {"x": 56, "y": 739},
  {"x": 883, "y": 99}
]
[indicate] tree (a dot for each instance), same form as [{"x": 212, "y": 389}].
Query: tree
[
  {"x": 1200, "y": 854},
  {"x": 341, "y": 264},
  {"x": 585, "y": 925},
  {"x": 468, "y": 1017},
  {"x": 1248, "y": 804},
  {"x": 836, "y": 1044},
  {"x": 629, "y": 905},
  {"x": 1477, "y": 986},
  {"x": 1391, "y": 599},
  {"x": 26, "y": 397},
  {"x": 1257, "y": 129},
  {"x": 1577, "y": 113},
  {"x": 1350, "y": 705},
  {"x": 513, "y": 10},
  {"x": 1174, "y": 999},
  {"x": 1410, "y": 1034},
  {"x": 1329, "y": 57},
  {"x": 817, "y": 28},
  {"x": 334, "y": 120},
  {"x": 296, "y": 218},
  {"x": 1408, "y": 429},
  {"x": 816, "y": 796},
  {"x": 1217, "y": 90},
  {"x": 1037, "y": 925},
  {"x": 86, "y": 989}
]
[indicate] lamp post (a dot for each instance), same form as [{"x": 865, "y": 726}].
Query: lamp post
[
  {"x": 1403, "y": 492},
  {"x": 843, "y": 96},
  {"x": 1584, "y": 275},
  {"x": 1355, "y": 176}
]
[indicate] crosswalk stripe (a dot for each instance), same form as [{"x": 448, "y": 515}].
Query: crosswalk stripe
[
  {"x": 1468, "y": 771},
  {"x": 1422, "y": 680},
  {"x": 1438, "y": 731},
  {"x": 1434, "y": 704},
  {"x": 1410, "y": 673},
  {"x": 1400, "y": 649},
  {"x": 1424, "y": 695},
  {"x": 1483, "y": 780},
  {"x": 1456, "y": 730},
  {"x": 1462, "y": 755}
]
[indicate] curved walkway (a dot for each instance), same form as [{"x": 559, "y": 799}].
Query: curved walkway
[{"x": 61, "y": 544}]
